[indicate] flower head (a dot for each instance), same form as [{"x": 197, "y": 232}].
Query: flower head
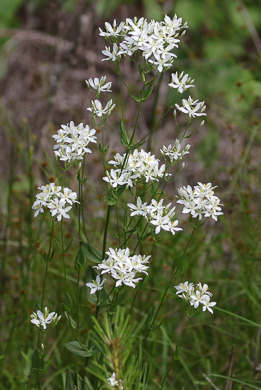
[
  {"x": 123, "y": 267},
  {"x": 200, "y": 201},
  {"x": 192, "y": 107},
  {"x": 57, "y": 200},
  {"x": 97, "y": 109},
  {"x": 96, "y": 284},
  {"x": 158, "y": 215},
  {"x": 196, "y": 295},
  {"x": 98, "y": 84},
  {"x": 72, "y": 141},
  {"x": 181, "y": 82},
  {"x": 43, "y": 319}
]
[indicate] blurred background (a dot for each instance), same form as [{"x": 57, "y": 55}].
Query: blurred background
[{"x": 48, "y": 48}]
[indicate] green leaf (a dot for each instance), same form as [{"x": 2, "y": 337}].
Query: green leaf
[
  {"x": 67, "y": 306},
  {"x": 79, "y": 261},
  {"x": 142, "y": 76},
  {"x": 146, "y": 94},
  {"x": 71, "y": 320},
  {"x": 37, "y": 361},
  {"x": 78, "y": 349},
  {"x": 111, "y": 201},
  {"x": 137, "y": 145},
  {"x": 137, "y": 99},
  {"x": 124, "y": 137},
  {"x": 150, "y": 316},
  {"x": 91, "y": 253}
]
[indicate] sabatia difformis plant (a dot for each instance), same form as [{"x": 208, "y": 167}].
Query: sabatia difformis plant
[{"x": 136, "y": 180}]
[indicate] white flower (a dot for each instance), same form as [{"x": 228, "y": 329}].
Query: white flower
[
  {"x": 56, "y": 200},
  {"x": 98, "y": 84},
  {"x": 192, "y": 107},
  {"x": 96, "y": 285},
  {"x": 58, "y": 209},
  {"x": 158, "y": 215},
  {"x": 139, "y": 165},
  {"x": 113, "y": 31},
  {"x": 123, "y": 267},
  {"x": 207, "y": 304},
  {"x": 139, "y": 209},
  {"x": 180, "y": 82},
  {"x": 42, "y": 319},
  {"x": 99, "y": 111},
  {"x": 200, "y": 201},
  {"x": 196, "y": 297},
  {"x": 113, "y": 382},
  {"x": 153, "y": 40},
  {"x": 174, "y": 152},
  {"x": 114, "y": 55},
  {"x": 72, "y": 141}
]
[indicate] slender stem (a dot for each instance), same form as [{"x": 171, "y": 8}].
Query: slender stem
[
  {"x": 63, "y": 259},
  {"x": 106, "y": 231},
  {"x": 47, "y": 263},
  {"x": 170, "y": 281}
]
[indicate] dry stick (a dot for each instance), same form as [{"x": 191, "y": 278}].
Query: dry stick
[
  {"x": 256, "y": 357},
  {"x": 210, "y": 381},
  {"x": 231, "y": 361}
]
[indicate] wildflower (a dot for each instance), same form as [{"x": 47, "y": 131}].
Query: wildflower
[
  {"x": 112, "y": 31},
  {"x": 200, "y": 201},
  {"x": 156, "y": 214},
  {"x": 114, "y": 382},
  {"x": 180, "y": 82},
  {"x": 192, "y": 107},
  {"x": 139, "y": 165},
  {"x": 72, "y": 141},
  {"x": 207, "y": 304},
  {"x": 42, "y": 319},
  {"x": 114, "y": 55},
  {"x": 196, "y": 296},
  {"x": 174, "y": 152},
  {"x": 99, "y": 111},
  {"x": 56, "y": 200},
  {"x": 96, "y": 285},
  {"x": 98, "y": 84},
  {"x": 123, "y": 267},
  {"x": 155, "y": 41}
]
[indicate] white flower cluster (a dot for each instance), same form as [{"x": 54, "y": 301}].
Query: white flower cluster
[
  {"x": 196, "y": 296},
  {"x": 154, "y": 40},
  {"x": 114, "y": 383},
  {"x": 123, "y": 267},
  {"x": 200, "y": 201},
  {"x": 72, "y": 141},
  {"x": 192, "y": 107},
  {"x": 181, "y": 82},
  {"x": 174, "y": 152},
  {"x": 55, "y": 199},
  {"x": 42, "y": 319},
  {"x": 156, "y": 214},
  {"x": 98, "y": 85},
  {"x": 139, "y": 164}
]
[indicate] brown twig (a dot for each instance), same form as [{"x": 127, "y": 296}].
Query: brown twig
[
  {"x": 32, "y": 35},
  {"x": 231, "y": 361},
  {"x": 210, "y": 381}
]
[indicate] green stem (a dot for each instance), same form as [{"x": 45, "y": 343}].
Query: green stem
[
  {"x": 47, "y": 264},
  {"x": 171, "y": 280}
]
